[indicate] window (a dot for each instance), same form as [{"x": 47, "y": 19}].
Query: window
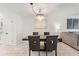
[{"x": 73, "y": 23}]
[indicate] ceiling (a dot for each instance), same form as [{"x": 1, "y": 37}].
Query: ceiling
[{"x": 25, "y": 9}]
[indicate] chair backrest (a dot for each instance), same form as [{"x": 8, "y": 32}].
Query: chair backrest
[
  {"x": 35, "y": 33},
  {"x": 34, "y": 43},
  {"x": 46, "y": 33},
  {"x": 51, "y": 43}
]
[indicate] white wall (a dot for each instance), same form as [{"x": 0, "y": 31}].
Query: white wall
[{"x": 28, "y": 27}]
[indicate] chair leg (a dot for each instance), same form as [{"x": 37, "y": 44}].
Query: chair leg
[
  {"x": 46, "y": 53},
  {"x": 39, "y": 53},
  {"x": 55, "y": 52},
  {"x": 29, "y": 52}
]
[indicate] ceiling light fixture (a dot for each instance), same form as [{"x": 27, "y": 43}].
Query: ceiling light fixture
[{"x": 39, "y": 15}]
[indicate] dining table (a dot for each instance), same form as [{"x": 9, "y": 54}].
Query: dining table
[{"x": 42, "y": 37}]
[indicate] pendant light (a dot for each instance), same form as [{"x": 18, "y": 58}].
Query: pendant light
[{"x": 38, "y": 16}]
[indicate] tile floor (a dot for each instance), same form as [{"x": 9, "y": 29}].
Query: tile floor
[{"x": 23, "y": 48}]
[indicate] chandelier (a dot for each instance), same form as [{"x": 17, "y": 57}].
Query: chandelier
[{"x": 38, "y": 15}]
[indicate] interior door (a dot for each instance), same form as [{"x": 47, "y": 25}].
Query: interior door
[{"x": 9, "y": 32}]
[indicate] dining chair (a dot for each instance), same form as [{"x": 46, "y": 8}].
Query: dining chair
[
  {"x": 46, "y": 33},
  {"x": 51, "y": 44},
  {"x": 35, "y": 33},
  {"x": 34, "y": 44}
]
